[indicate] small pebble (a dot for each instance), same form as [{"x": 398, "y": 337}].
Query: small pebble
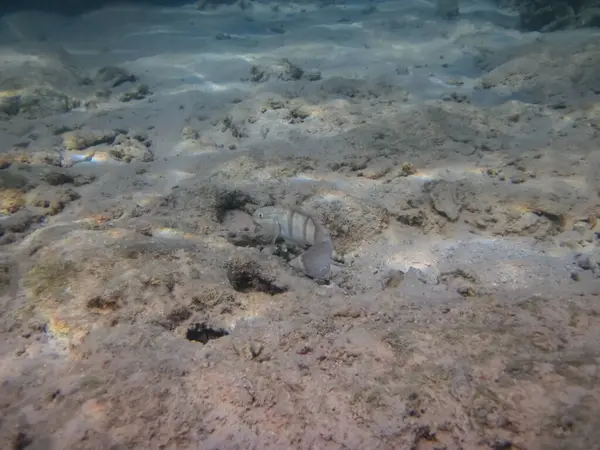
[
  {"x": 575, "y": 276},
  {"x": 584, "y": 262}
]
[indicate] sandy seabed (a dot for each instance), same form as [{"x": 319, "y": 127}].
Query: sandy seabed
[{"x": 456, "y": 164}]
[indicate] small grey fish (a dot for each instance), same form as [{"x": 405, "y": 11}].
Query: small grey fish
[{"x": 299, "y": 228}]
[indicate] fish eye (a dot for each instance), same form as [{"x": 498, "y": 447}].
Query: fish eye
[{"x": 260, "y": 215}]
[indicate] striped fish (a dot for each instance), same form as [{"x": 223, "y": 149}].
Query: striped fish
[{"x": 300, "y": 228}]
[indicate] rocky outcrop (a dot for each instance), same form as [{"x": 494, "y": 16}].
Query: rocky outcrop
[{"x": 552, "y": 15}]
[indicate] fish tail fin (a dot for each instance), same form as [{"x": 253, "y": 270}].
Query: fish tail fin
[{"x": 316, "y": 261}]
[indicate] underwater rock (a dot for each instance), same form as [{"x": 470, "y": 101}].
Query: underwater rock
[
  {"x": 551, "y": 71},
  {"x": 112, "y": 76},
  {"x": 235, "y": 126},
  {"x": 51, "y": 201},
  {"x": 84, "y": 138},
  {"x": 447, "y": 9},
  {"x": 294, "y": 72},
  {"x": 349, "y": 220},
  {"x": 34, "y": 103},
  {"x": 91, "y": 145},
  {"x": 190, "y": 133},
  {"x": 130, "y": 150},
  {"x": 138, "y": 93},
  {"x": 211, "y": 4},
  {"x": 11, "y": 200},
  {"x": 30, "y": 156},
  {"x": 58, "y": 178},
  {"x": 446, "y": 199},
  {"x": 38, "y": 82},
  {"x": 553, "y": 15},
  {"x": 286, "y": 71}
]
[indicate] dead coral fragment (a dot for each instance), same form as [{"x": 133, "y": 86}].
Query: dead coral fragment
[{"x": 11, "y": 200}]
